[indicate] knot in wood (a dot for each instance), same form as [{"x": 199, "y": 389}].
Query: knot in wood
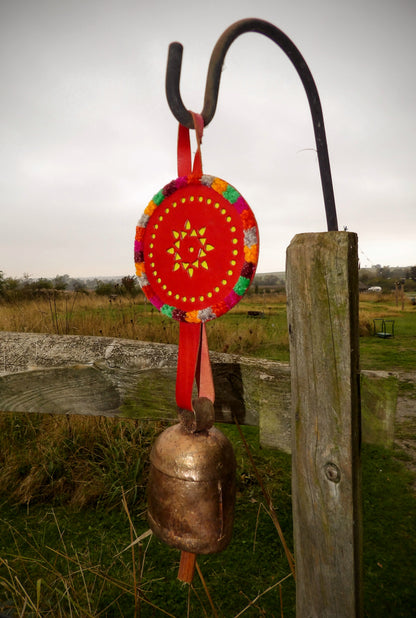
[{"x": 332, "y": 472}]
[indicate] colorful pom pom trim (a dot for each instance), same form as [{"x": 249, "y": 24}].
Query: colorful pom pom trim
[{"x": 237, "y": 247}]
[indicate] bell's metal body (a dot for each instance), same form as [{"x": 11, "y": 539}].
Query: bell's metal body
[{"x": 192, "y": 489}]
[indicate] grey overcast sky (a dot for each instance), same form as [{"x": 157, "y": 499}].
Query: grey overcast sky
[{"x": 87, "y": 137}]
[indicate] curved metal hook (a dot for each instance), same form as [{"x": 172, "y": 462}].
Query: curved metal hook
[{"x": 213, "y": 83}]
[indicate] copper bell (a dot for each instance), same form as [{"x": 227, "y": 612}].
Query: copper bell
[{"x": 191, "y": 490}]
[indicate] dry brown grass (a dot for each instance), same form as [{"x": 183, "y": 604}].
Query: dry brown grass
[
  {"x": 77, "y": 460},
  {"x": 78, "y": 314},
  {"x": 135, "y": 318},
  {"x": 123, "y": 317}
]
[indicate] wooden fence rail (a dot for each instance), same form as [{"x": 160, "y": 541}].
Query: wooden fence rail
[{"x": 68, "y": 374}]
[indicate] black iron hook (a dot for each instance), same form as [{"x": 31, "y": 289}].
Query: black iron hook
[{"x": 180, "y": 112}]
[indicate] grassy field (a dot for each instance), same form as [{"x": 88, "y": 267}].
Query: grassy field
[
  {"x": 72, "y": 491},
  {"x": 82, "y": 314},
  {"x": 73, "y": 500},
  {"x": 65, "y": 534},
  {"x": 235, "y": 332}
]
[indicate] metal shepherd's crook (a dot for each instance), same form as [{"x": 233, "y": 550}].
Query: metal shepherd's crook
[{"x": 213, "y": 83}]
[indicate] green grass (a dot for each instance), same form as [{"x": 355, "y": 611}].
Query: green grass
[
  {"x": 81, "y": 568},
  {"x": 78, "y": 553},
  {"x": 389, "y": 510},
  {"x": 65, "y": 560},
  {"x": 395, "y": 353}
]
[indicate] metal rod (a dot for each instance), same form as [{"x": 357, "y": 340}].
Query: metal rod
[{"x": 180, "y": 112}]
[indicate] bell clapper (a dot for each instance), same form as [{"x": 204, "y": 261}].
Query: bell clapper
[{"x": 186, "y": 567}]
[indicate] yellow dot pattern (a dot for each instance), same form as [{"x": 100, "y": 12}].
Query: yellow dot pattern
[
  {"x": 191, "y": 267},
  {"x": 199, "y": 254}
]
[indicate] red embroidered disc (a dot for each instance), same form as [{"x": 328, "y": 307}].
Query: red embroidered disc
[{"x": 196, "y": 248}]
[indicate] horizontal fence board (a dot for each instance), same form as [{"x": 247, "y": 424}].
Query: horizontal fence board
[
  {"x": 66, "y": 374},
  {"x": 101, "y": 375}
]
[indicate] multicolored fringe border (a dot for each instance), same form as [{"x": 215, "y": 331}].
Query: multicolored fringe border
[{"x": 251, "y": 249}]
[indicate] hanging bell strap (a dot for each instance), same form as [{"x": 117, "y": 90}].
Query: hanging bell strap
[
  {"x": 184, "y": 148},
  {"x": 193, "y": 355}
]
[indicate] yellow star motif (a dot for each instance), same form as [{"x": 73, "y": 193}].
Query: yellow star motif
[{"x": 189, "y": 248}]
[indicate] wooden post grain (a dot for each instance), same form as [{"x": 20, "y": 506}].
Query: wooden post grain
[{"x": 322, "y": 288}]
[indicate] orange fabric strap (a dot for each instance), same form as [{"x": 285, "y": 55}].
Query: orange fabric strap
[
  {"x": 193, "y": 364},
  {"x": 199, "y": 129}
]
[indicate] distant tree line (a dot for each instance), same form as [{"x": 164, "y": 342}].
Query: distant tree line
[
  {"x": 127, "y": 286},
  {"x": 26, "y": 288},
  {"x": 388, "y": 277},
  {"x": 269, "y": 282}
]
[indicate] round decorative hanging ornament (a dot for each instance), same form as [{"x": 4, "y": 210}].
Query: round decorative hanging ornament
[
  {"x": 196, "y": 248},
  {"x": 196, "y": 251},
  {"x": 196, "y": 245}
]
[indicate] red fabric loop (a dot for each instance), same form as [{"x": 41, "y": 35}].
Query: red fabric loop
[
  {"x": 184, "y": 151},
  {"x": 193, "y": 355},
  {"x": 184, "y": 148}
]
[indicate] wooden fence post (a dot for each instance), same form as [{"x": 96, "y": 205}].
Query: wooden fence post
[{"x": 322, "y": 288}]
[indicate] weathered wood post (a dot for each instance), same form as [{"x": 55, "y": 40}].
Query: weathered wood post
[{"x": 322, "y": 288}]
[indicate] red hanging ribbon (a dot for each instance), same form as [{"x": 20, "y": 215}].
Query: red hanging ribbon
[
  {"x": 184, "y": 148},
  {"x": 193, "y": 355},
  {"x": 184, "y": 151}
]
